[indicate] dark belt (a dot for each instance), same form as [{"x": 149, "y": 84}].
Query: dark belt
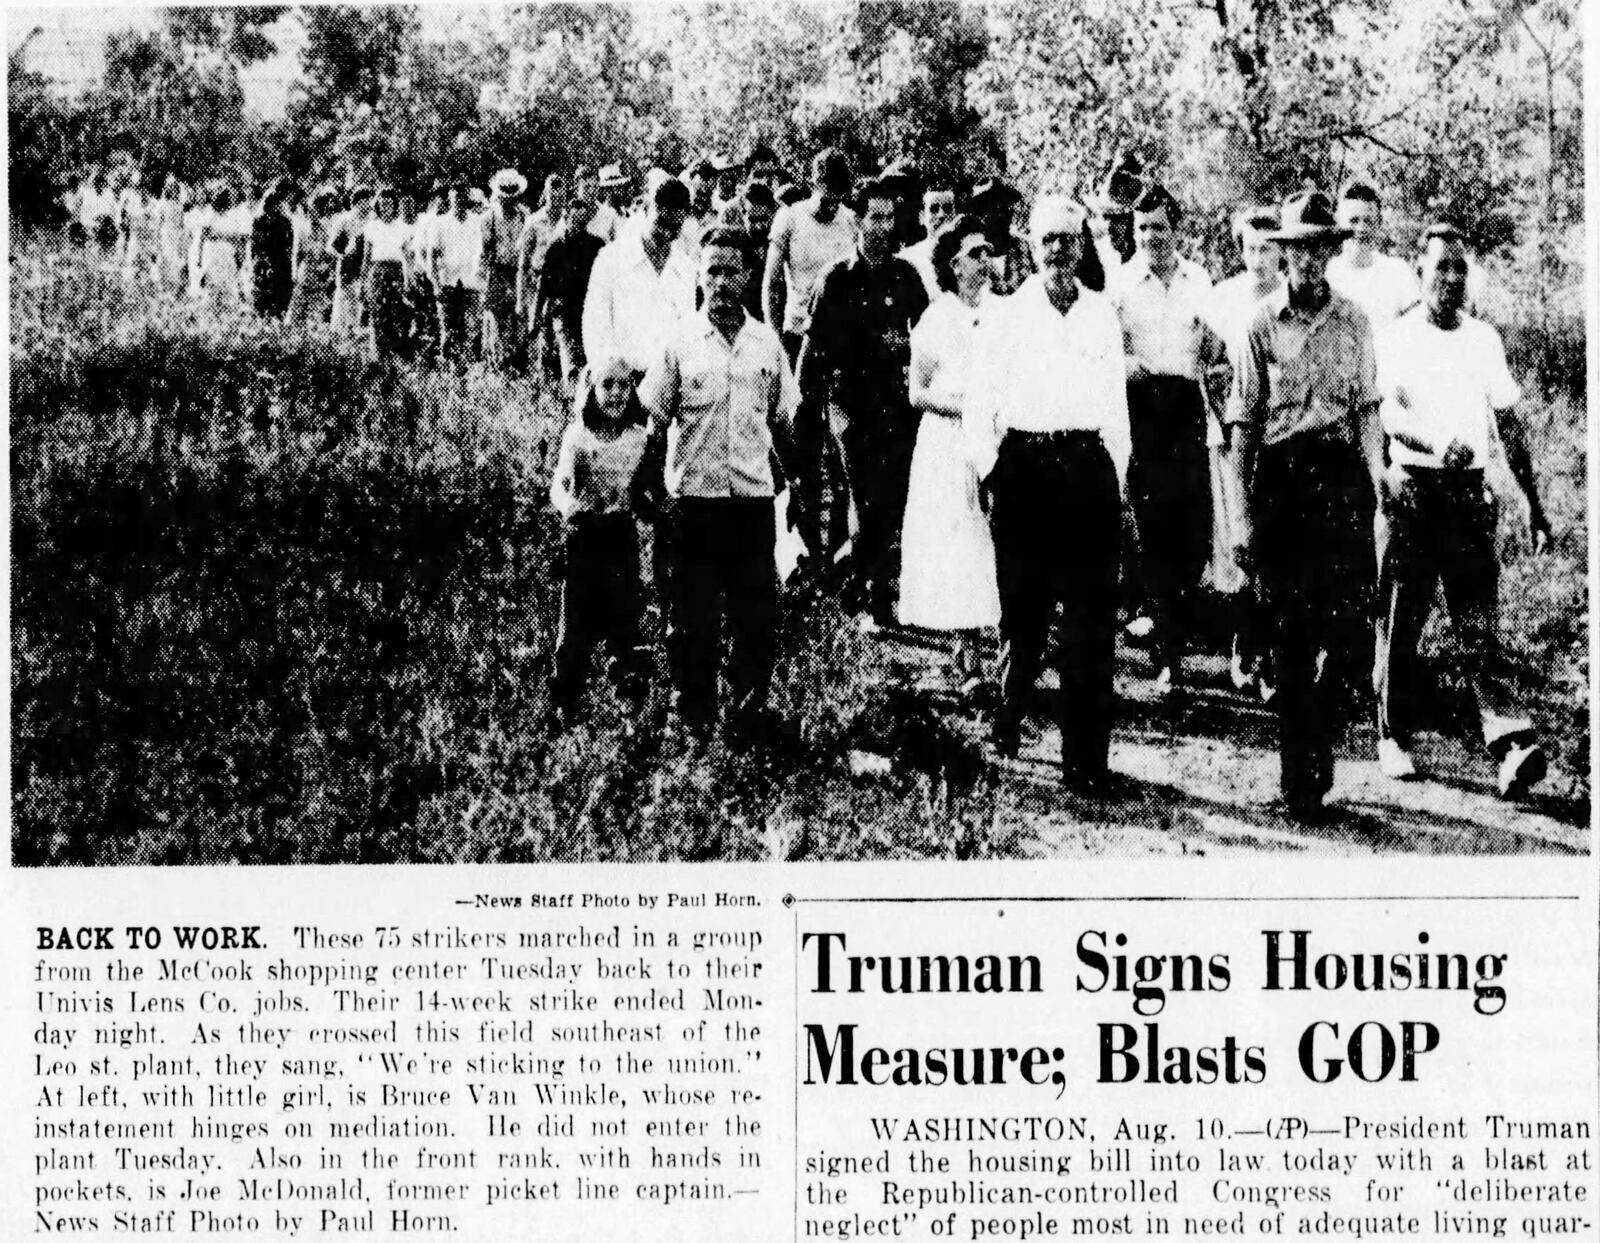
[{"x": 1074, "y": 436}]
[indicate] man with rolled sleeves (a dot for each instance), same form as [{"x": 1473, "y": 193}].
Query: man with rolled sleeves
[
  {"x": 722, "y": 390},
  {"x": 1303, "y": 432},
  {"x": 1046, "y": 421}
]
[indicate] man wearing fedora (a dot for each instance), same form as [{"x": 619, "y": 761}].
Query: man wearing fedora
[
  {"x": 1304, "y": 434},
  {"x": 612, "y": 191},
  {"x": 503, "y": 223}
]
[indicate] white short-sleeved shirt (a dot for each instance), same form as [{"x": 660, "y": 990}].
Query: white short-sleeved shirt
[
  {"x": 387, "y": 240},
  {"x": 1453, "y": 381},
  {"x": 631, "y": 308},
  {"x": 719, "y": 402},
  {"x": 812, "y": 247},
  {"x": 1163, "y": 325},
  {"x": 1385, "y": 289}
]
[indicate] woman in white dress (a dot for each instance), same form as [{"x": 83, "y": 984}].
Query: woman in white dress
[
  {"x": 947, "y": 579},
  {"x": 222, "y": 236},
  {"x": 167, "y": 214}
]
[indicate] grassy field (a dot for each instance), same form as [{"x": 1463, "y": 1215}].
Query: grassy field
[{"x": 273, "y": 603}]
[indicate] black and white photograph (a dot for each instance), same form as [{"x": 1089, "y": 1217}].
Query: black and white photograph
[{"x": 798, "y": 431}]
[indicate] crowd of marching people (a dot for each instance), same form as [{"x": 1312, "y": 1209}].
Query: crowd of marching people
[{"x": 1037, "y": 421}]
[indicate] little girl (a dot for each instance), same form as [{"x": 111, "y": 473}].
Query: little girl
[{"x": 602, "y": 598}]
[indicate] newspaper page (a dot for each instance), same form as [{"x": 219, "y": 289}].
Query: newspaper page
[{"x": 800, "y": 621}]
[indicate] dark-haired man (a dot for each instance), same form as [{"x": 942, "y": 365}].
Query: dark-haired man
[
  {"x": 1161, "y": 298},
  {"x": 722, "y": 390},
  {"x": 642, "y": 284},
  {"x": 1304, "y": 434},
  {"x": 1446, "y": 391},
  {"x": 857, "y": 354},
  {"x": 938, "y": 210},
  {"x": 808, "y": 238},
  {"x": 1381, "y": 285}
]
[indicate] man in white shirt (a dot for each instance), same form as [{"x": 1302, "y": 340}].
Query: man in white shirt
[
  {"x": 1162, "y": 299},
  {"x": 808, "y": 238},
  {"x": 938, "y": 210},
  {"x": 1379, "y": 284},
  {"x": 642, "y": 284},
  {"x": 721, "y": 391},
  {"x": 613, "y": 193},
  {"x": 1446, "y": 391},
  {"x": 1046, "y": 420},
  {"x": 455, "y": 253}
]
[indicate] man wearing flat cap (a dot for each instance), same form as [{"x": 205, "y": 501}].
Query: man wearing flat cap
[
  {"x": 1046, "y": 421},
  {"x": 1304, "y": 434}
]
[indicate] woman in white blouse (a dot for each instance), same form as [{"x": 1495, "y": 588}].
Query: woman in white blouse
[
  {"x": 222, "y": 233},
  {"x": 388, "y": 271},
  {"x": 947, "y": 580}
]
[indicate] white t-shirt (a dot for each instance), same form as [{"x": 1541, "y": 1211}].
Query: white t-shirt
[
  {"x": 387, "y": 240},
  {"x": 1384, "y": 289},
  {"x": 1453, "y": 382},
  {"x": 812, "y": 248}
]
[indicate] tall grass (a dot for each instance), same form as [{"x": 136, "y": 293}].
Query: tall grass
[{"x": 275, "y": 602}]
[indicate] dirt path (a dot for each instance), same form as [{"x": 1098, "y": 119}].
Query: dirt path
[{"x": 1199, "y": 776}]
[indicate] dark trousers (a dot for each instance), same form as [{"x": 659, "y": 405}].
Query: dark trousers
[
  {"x": 1057, "y": 518},
  {"x": 1169, "y": 490},
  {"x": 878, "y": 444},
  {"x": 721, "y": 574},
  {"x": 456, "y": 321},
  {"x": 819, "y": 482},
  {"x": 601, "y": 601},
  {"x": 1313, "y": 509},
  {"x": 390, "y": 315},
  {"x": 1441, "y": 529}
]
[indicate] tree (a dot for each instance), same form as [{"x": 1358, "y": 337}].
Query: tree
[{"x": 39, "y": 130}]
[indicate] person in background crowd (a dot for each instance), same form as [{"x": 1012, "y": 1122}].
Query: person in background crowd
[
  {"x": 938, "y": 210},
  {"x": 453, "y": 258},
  {"x": 1046, "y": 421},
  {"x": 1232, "y": 306},
  {"x": 1161, "y": 298},
  {"x": 272, "y": 251},
  {"x": 564, "y": 280},
  {"x": 424, "y": 297},
  {"x": 613, "y": 196},
  {"x": 721, "y": 393},
  {"x": 641, "y": 284},
  {"x": 788, "y": 194},
  {"x": 602, "y": 598},
  {"x": 947, "y": 575},
  {"x": 995, "y": 203},
  {"x": 221, "y": 243},
  {"x": 1446, "y": 392},
  {"x": 857, "y": 354},
  {"x": 1381, "y": 285},
  {"x": 537, "y": 233},
  {"x": 901, "y": 177},
  {"x": 807, "y": 239},
  {"x": 314, "y": 261},
  {"x": 386, "y": 240},
  {"x": 1111, "y": 221},
  {"x": 98, "y": 212},
  {"x": 1303, "y": 430},
  {"x": 503, "y": 224},
  {"x": 758, "y": 210},
  {"x": 761, "y": 166},
  {"x": 137, "y": 227},
  {"x": 167, "y": 214},
  {"x": 348, "y": 244}
]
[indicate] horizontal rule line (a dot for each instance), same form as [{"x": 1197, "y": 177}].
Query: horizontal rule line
[{"x": 1400, "y": 897}]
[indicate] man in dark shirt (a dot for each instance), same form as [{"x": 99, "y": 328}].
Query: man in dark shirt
[
  {"x": 856, "y": 356},
  {"x": 565, "y": 280}
]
